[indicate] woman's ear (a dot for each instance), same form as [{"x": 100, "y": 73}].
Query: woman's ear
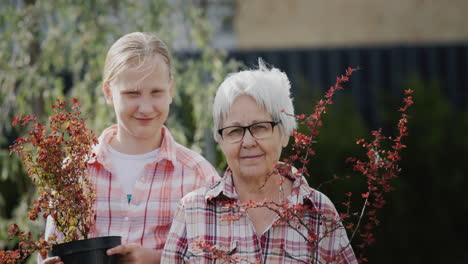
[{"x": 107, "y": 93}]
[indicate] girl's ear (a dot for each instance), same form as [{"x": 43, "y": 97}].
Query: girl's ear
[
  {"x": 171, "y": 88},
  {"x": 107, "y": 93}
]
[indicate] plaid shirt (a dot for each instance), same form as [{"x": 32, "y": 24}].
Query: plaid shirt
[
  {"x": 147, "y": 219},
  {"x": 201, "y": 213}
]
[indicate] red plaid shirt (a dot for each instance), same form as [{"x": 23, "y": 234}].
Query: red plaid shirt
[
  {"x": 147, "y": 219},
  {"x": 201, "y": 213}
]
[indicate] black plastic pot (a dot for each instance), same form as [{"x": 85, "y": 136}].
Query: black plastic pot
[{"x": 89, "y": 251}]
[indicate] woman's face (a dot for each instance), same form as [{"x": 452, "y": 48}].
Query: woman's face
[
  {"x": 251, "y": 157},
  {"x": 141, "y": 100}
]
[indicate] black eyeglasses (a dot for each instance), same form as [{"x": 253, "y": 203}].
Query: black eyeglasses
[{"x": 260, "y": 130}]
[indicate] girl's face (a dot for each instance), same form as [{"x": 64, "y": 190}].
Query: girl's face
[{"x": 141, "y": 100}]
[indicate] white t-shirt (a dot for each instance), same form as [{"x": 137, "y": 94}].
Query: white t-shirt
[{"x": 128, "y": 168}]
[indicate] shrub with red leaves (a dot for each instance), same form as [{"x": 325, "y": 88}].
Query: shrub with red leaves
[{"x": 55, "y": 158}]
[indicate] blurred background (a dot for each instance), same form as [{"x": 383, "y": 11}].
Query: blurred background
[{"x": 56, "y": 49}]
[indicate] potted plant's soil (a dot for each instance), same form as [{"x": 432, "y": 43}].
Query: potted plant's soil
[{"x": 89, "y": 251}]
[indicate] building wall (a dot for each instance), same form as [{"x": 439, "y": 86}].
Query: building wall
[{"x": 307, "y": 23}]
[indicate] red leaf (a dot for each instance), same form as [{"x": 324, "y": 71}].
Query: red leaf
[
  {"x": 16, "y": 119},
  {"x": 13, "y": 230}
]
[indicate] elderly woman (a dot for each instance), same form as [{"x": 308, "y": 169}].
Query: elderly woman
[{"x": 252, "y": 129}]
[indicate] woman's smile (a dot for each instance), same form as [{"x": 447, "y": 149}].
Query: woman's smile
[{"x": 251, "y": 157}]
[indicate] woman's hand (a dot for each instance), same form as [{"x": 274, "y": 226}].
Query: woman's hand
[
  {"x": 52, "y": 260},
  {"x": 134, "y": 253}
]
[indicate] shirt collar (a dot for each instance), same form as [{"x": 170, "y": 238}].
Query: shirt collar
[
  {"x": 301, "y": 191},
  {"x": 224, "y": 188},
  {"x": 167, "y": 149}
]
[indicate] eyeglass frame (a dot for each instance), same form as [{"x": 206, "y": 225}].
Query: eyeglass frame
[{"x": 272, "y": 123}]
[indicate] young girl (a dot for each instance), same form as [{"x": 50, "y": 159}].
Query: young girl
[{"x": 140, "y": 172}]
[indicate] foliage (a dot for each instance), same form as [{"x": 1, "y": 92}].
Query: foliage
[
  {"x": 56, "y": 157},
  {"x": 56, "y": 49},
  {"x": 25, "y": 248},
  {"x": 432, "y": 183}
]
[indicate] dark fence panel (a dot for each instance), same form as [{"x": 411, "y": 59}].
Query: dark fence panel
[{"x": 383, "y": 69}]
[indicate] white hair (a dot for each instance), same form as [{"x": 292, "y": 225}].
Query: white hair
[{"x": 270, "y": 88}]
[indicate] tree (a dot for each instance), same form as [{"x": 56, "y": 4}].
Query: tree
[{"x": 56, "y": 49}]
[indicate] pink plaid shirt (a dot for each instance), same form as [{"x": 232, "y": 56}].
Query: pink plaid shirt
[
  {"x": 201, "y": 215},
  {"x": 147, "y": 219}
]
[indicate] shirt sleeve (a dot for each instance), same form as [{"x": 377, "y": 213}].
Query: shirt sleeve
[
  {"x": 206, "y": 174},
  {"x": 50, "y": 230},
  {"x": 176, "y": 246},
  {"x": 334, "y": 245},
  {"x": 345, "y": 252}
]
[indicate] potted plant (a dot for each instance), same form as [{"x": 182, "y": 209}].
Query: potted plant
[{"x": 55, "y": 157}]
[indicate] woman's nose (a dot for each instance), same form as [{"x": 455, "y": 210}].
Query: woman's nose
[{"x": 248, "y": 139}]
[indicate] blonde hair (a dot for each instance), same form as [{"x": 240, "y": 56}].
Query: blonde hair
[{"x": 133, "y": 50}]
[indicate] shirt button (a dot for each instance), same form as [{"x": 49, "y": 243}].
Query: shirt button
[{"x": 126, "y": 218}]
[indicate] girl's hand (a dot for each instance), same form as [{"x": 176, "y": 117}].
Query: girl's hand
[
  {"x": 134, "y": 253},
  {"x": 52, "y": 260}
]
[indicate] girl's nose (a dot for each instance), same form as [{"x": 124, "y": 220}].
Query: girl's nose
[{"x": 145, "y": 106}]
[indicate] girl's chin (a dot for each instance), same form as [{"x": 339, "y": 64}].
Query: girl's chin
[
  {"x": 143, "y": 136},
  {"x": 145, "y": 133}
]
